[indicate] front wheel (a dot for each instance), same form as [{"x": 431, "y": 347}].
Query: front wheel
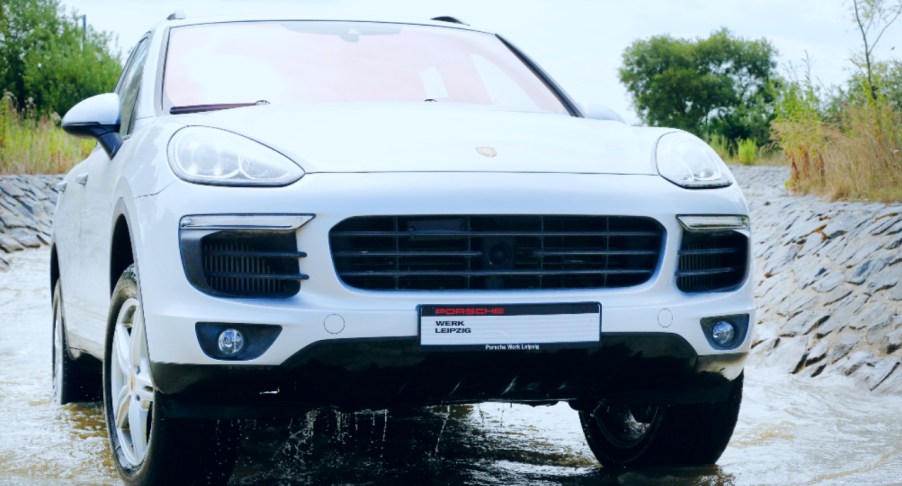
[
  {"x": 651, "y": 436},
  {"x": 147, "y": 447}
]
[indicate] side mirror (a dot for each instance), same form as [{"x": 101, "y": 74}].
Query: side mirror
[
  {"x": 96, "y": 117},
  {"x": 600, "y": 112}
]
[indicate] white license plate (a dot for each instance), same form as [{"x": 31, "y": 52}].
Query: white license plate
[{"x": 510, "y": 327}]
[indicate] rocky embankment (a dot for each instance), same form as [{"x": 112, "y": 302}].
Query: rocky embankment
[
  {"x": 828, "y": 275},
  {"x": 828, "y": 282},
  {"x": 26, "y": 212}
]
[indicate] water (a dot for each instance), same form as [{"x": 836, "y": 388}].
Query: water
[{"x": 791, "y": 430}]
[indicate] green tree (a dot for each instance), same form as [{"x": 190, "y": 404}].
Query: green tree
[
  {"x": 721, "y": 85},
  {"x": 47, "y": 61}
]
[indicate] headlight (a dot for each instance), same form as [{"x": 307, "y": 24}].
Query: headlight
[
  {"x": 689, "y": 162},
  {"x": 211, "y": 156}
]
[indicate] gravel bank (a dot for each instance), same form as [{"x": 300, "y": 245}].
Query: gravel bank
[
  {"x": 828, "y": 275},
  {"x": 828, "y": 282},
  {"x": 26, "y": 212}
]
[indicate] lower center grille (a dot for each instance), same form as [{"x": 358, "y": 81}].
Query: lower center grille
[{"x": 495, "y": 252}]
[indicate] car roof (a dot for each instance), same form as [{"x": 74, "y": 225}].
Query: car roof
[{"x": 177, "y": 20}]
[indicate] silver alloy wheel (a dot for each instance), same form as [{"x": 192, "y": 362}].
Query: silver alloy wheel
[
  {"x": 58, "y": 350},
  {"x": 131, "y": 383}
]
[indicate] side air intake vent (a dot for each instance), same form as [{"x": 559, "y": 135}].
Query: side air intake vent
[
  {"x": 712, "y": 261},
  {"x": 243, "y": 263}
]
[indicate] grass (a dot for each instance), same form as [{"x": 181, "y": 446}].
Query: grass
[
  {"x": 747, "y": 152},
  {"x": 36, "y": 145},
  {"x": 856, "y": 157}
]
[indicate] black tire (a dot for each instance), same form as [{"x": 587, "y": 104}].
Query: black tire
[
  {"x": 71, "y": 382},
  {"x": 678, "y": 435},
  {"x": 178, "y": 451}
]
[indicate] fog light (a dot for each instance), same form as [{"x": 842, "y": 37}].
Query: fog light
[
  {"x": 231, "y": 342},
  {"x": 723, "y": 333}
]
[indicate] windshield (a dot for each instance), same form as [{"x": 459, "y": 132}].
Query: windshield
[{"x": 315, "y": 61}]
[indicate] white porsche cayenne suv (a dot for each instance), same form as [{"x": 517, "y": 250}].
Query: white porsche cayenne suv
[{"x": 289, "y": 214}]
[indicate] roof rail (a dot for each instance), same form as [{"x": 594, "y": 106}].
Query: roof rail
[
  {"x": 177, "y": 15},
  {"x": 450, "y": 19}
]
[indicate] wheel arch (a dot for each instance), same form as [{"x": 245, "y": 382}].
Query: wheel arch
[{"x": 122, "y": 249}]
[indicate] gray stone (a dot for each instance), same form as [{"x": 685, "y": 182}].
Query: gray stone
[
  {"x": 861, "y": 273},
  {"x": 895, "y": 244},
  {"x": 856, "y": 361},
  {"x": 9, "y": 245},
  {"x": 875, "y": 315},
  {"x": 892, "y": 385},
  {"x": 874, "y": 375},
  {"x": 27, "y": 206},
  {"x": 11, "y": 221},
  {"x": 895, "y": 229},
  {"x": 811, "y": 244},
  {"x": 813, "y": 277},
  {"x": 854, "y": 255},
  {"x": 8, "y": 205},
  {"x": 837, "y": 294},
  {"x": 841, "y": 347},
  {"x": 878, "y": 332},
  {"x": 8, "y": 186},
  {"x": 39, "y": 194},
  {"x": 817, "y": 353},
  {"x": 840, "y": 226},
  {"x": 894, "y": 293},
  {"x": 792, "y": 307},
  {"x": 26, "y": 238},
  {"x": 788, "y": 354},
  {"x": 843, "y": 313},
  {"x": 884, "y": 222},
  {"x": 804, "y": 322},
  {"x": 4, "y": 264},
  {"x": 893, "y": 342},
  {"x": 828, "y": 283},
  {"x": 883, "y": 281}
]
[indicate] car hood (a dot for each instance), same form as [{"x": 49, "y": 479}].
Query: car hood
[{"x": 439, "y": 138}]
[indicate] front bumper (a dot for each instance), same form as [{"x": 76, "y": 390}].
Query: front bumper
[
  {"x": 389, "y": 373},
  {"x": 172, "y": 306}
]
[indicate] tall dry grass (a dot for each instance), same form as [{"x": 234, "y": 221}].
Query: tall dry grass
[
  {"x": 35, "y": 144},
  {"x": 857, "y": 156}
]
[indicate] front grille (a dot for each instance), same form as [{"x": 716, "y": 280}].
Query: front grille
[
  {"x": 495, "y": 252},
  {"x": 711, "y": 262},
  {"x": 244, "y": 263}
]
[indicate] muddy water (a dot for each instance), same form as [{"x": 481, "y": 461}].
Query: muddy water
[{"x": 790, "y": 431}]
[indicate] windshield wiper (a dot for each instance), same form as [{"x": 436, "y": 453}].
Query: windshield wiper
[{"x": 181, "y": 110}]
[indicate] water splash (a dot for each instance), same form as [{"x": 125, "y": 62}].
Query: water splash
[
  {"x": 441, "y": 431},
  {"x": 384, "y": 425}
]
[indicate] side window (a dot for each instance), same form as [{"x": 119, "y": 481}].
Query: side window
[{"x": 129, "y": 86}]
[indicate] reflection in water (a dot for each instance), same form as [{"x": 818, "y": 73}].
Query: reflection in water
[{"x": 790, "y": 431}]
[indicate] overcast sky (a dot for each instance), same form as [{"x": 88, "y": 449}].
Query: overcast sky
[{"x": 579, "y": 42}]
